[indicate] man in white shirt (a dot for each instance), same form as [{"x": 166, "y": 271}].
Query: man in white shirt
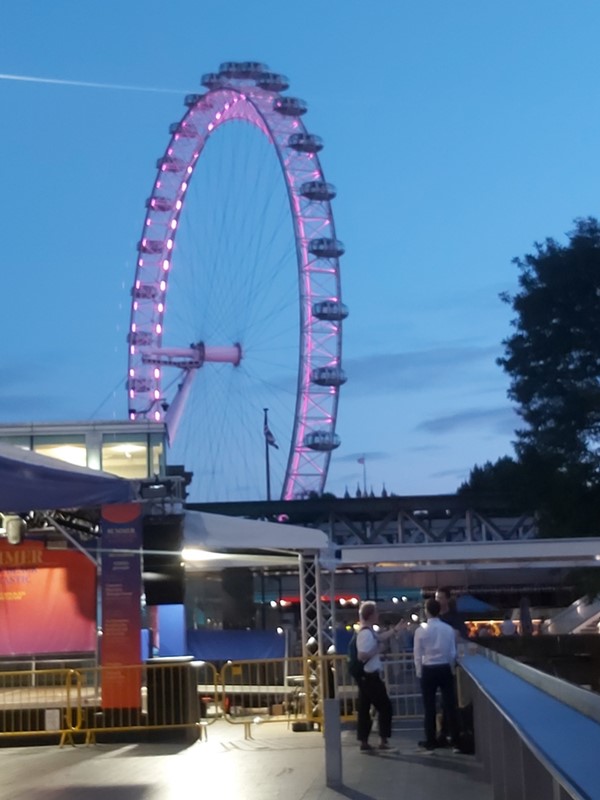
[
  {"x": 435, "y": 660},
  {"x": 371, "y": 688}
]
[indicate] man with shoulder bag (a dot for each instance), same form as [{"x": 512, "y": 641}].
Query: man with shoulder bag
[{"x": 371, "y": 687}]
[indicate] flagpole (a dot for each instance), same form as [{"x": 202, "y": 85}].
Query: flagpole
[
  {"x": 364, "y": 465},
  {"x": 267, "y": 457}
]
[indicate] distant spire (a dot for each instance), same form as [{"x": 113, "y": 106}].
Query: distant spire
[
  {"x": 358, "y": 491},
  {"x": 346, "y": 494},
  {"x": 384, "y": 491},
  {"x": 372, "y": 494}
]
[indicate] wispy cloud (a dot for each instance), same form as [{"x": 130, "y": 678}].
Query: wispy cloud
[
  {"x": 369, "y": 455},
  {"x": 392, "y": 372},
  {"x": 498, "y": 420}
]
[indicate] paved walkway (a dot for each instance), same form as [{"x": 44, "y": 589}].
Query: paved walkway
[{"x": 276, "y": 764}]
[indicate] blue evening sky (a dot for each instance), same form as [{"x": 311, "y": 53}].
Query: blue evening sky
[{"x": 457, "y": 134}]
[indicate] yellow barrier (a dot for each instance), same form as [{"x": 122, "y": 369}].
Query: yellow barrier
[
  {"x": 36, "y": 703},
  {"x": 188, "y": 696}
]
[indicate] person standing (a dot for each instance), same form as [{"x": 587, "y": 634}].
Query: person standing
[
  {"x": 371, "y": 687},
  {"x": 435, "y": 661},
  {"x": 449, "y": 613}
]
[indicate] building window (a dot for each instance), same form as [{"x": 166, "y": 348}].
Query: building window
[
  {"x": 125, "y": 455},
  {"x": 67, "y": 448}
]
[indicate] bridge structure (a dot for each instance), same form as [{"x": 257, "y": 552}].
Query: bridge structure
[{"x": 422, "y": 541}]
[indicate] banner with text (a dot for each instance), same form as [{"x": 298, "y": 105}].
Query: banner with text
[
  {"x": 47, "y": 601},
  {"x": 121, "y": 605}
]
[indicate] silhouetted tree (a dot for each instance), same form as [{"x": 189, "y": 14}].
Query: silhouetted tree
[{"x": 553, "y": 357}]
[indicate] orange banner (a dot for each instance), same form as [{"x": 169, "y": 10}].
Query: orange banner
[{"x": 47, "y": 601}]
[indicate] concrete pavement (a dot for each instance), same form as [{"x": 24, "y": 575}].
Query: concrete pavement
[{"x": 276, "y": 764}]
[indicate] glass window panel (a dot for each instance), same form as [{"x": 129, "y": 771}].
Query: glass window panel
[
  {"x": 125, "y": 455},
  {"x": 65, "y": 448}
]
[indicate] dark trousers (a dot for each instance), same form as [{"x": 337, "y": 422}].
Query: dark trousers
[
  {"x": 433, "y": 678},
  {"x": 372, "y": 692}
]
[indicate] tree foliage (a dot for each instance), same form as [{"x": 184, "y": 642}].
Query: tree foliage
[{"x": 553, "y": 356}]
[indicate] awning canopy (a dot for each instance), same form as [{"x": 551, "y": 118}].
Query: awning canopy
[
  {"x": 32, "y": 482},
  {"x": 220, "y": 541}
]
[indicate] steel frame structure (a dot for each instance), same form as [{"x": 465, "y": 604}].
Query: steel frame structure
[{"x": 250, "y": 93}]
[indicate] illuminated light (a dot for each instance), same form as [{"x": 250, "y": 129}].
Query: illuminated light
[
  {"x": 273, "y": 603},
  {"x": 178, "y": 205},
  {"x": 141, "y": 262},
  {"x": 156, "y": 373},
  {"x": 132, "y": 415},
  {"x": 160, "y": 307},
  {"x": 166, "y": 265},
  {"x": 414, "y": 617},
  {"x": 184, "y": 186},
  {"x": 226, "y": 106},
  {"x": 354, "y": 601},
  {"x": 195, "y": 156},
  {"x": 170, "y": 151},
  {"x": 131, "y": 393},
  {"x": 597, "y": 558},
  {"x": 189, "y": 170},
  {"x": 131, "y": 373},
  {"x": 163, "y": 285},
  {"x": 279, "y": 630},
  {"x": 243, "y": 96},
  {"x": 158, "y": 328},
  {"x": 173, "y": 224},
  {"x": 135, "y": 305},
  {"x": 342, "y": 601},
  {"x": 132, "y": 350},
  {"x": 169, "y": 244},
  {"x": 394, "y": 599},
  {"x": 210, "y": 126},
  {"x": 295, "y": 124},
  {"x": 133, "y": 327},
  {"x": 311, "y": 641},
  {"x": 148, "y": 222},
  {"x": 156, "y": 394},
  {"x": 218, "y": 115},
  {"x": 138, "y": 284},
  {"x": 157, "y": 416},
  {"x": 404, "y": 598}
]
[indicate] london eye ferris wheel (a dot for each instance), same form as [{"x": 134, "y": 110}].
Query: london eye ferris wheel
[{"x": 236, "y": 302}]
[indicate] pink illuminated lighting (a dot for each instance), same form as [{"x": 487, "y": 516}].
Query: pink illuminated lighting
[{"x": 316, "y": 409}]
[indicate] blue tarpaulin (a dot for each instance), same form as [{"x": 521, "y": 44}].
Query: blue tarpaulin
[
  {"x": 235, "y": 645},
  {"x": 32, "y": 482}
]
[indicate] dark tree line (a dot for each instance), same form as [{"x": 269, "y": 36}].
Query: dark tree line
[{"x": 553, "y": 360}]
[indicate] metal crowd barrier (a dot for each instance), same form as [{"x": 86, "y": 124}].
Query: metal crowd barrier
[{"x": 81, "y": 704}]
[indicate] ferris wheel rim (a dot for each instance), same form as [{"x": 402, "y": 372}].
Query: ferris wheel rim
[{"x": 307, "y": 466}]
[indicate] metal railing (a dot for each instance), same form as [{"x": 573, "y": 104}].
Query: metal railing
[{"x": 79, "y": 704}]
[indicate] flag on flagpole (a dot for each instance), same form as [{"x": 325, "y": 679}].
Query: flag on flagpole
[
  {"x": 269, "y": 436},
  {"x": 361, "y": 460}
]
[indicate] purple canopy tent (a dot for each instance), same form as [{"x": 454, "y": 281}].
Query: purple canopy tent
[{"x": 32, "y": 482}]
